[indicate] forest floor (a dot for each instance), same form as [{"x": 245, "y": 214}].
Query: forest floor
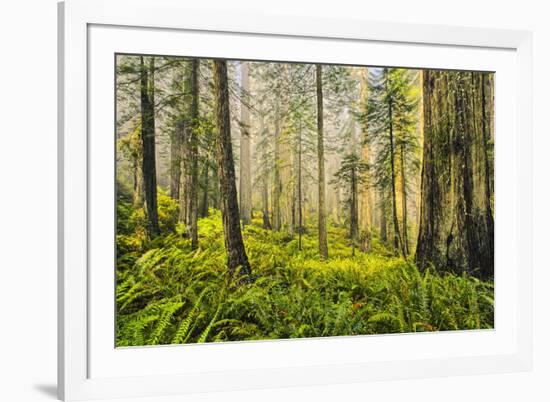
[{"x": 169, "y": 293}]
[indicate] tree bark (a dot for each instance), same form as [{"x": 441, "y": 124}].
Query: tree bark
[
  {"x": 365, "y": 198},
  {"x": 138, "y": 179},
  {"x": 299, "y": 206},
  {"x": 265, "y": 204},
  {"x": 486, "y": 118},
  {"x": 456, "y": 221},
  {"x": 265, "y": 182},
  {"x": 323, "y": 245},
  {"x": 276, "y": 199},
  {"x": 383, "y": 220},
  {"x": 175, "y": 162},
  {"x": 185, "y": 158},
  {"x": 396, "y": 234},
  {"x": 206, "y": 184},
  {"x": 405, "y": 241},
  {"x": 245, "y": 182},
  {"x": 193, "y": 173},
  {"x": 237, "y": 260},
  {"x": 354, "y": 224},
  {"x": 147, "y": 94}
]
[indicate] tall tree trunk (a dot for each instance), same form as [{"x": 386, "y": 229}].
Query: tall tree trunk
[
  {"x": 265, "y": 181},
  {"x": 193, "y": 174},
  {"x": 486, "y": 119},
  {"x": 147, "y": 93},
  {"x": 184, "y": 192},
  {"x": 245, "y": 182},
  {"x": 456, "y": 229},
  {"x": 265, "y": 203},
  {"x": 353, "y": 211},
  {"x": 405, "y": 241},
  {"x": 323, "y": 245},
  {"x": 237, "y": 260},
  {"x": 300, "y": 229},
  {"x": 276, "y": 199},
  {"x": 396, "y": 234},
  {"x": 365, "y": 197}
]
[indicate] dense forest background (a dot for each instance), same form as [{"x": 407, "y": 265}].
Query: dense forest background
[{"x": 260, "y": 200}]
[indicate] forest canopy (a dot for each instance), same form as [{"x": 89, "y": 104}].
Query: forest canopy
[{"x": 269, "y": 200}]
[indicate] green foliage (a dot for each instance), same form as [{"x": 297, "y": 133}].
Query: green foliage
[
  {"x": 392, "y": 103},
  {"x": 168, "y": 293}
]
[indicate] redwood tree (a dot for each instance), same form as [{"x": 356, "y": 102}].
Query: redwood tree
[
  {"x": 147, "y": 95},
  {"x": 456, "y": 219},
  {"x": 236, "y": 254}
]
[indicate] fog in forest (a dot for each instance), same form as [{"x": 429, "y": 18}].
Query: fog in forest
[{"x": 264, "y": 200}]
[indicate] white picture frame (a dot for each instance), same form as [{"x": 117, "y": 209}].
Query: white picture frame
[{"x": 89, "y": 368}]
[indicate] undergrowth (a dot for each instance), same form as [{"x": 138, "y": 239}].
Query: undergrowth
[{"x": 167, "y": 293}]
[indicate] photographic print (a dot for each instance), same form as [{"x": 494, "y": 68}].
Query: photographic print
[{"x": 260, "y": 200}]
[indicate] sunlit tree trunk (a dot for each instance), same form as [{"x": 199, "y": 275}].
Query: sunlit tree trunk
[
  {"x": 285, "y": 158},
  {"x": 147, "y": 94},
  {"x": 403, "y": 182},
  {"x": 276, "y": 199},
  {"x": 396, "y": 234},
  {"x": 323, "y": 245},
  {"x": 365, "y": 200},
  {"x": 265, "y": 181},
  {"x": 237, "y": 260},
  {"x": 245, "y": 181}
]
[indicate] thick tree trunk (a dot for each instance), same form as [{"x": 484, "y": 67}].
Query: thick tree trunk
[
  {"x": 147, "y": 92},
  {"x": 486, "y": 119},
  {"x": 237, "y": 259},
  {"x": 323, "y": 245},
  {"x": 245, "y": 182},
  {"x": 456, "y": 222}
]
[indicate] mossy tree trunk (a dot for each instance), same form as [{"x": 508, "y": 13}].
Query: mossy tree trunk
[{"x": 456, "y": 220}]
